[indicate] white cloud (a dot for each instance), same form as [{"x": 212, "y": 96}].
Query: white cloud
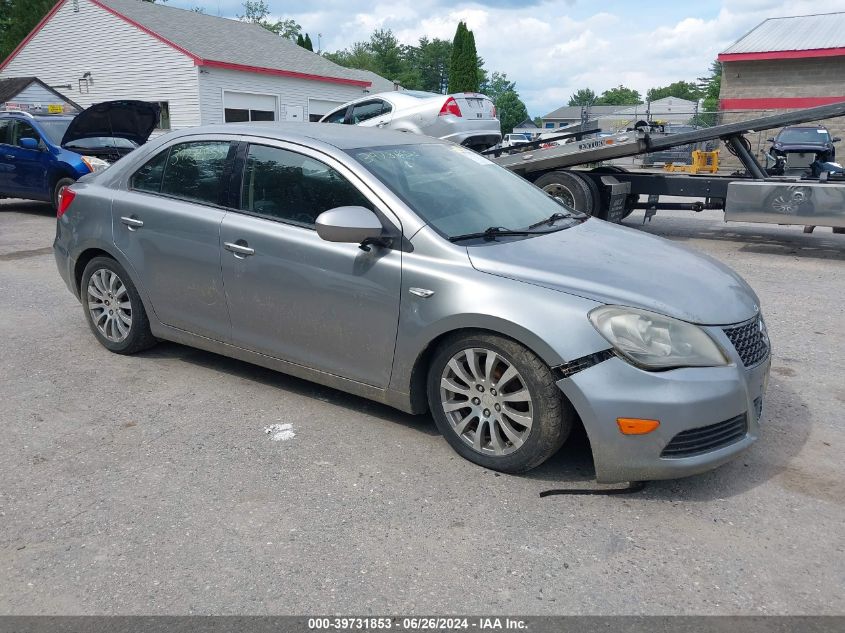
[{"x": 555, "y": 47}]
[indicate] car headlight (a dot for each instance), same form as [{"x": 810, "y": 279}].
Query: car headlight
[
  {"x": 654, "y": 341},
  {"x": 95, "y": 164}
]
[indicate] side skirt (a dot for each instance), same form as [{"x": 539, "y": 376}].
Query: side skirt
[{"x": 401, "y": 401}]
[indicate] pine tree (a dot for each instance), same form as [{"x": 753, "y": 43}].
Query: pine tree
[
  {"x": 463, "y": 70},
  {"x": 300, "y": 41},
  {"x": 308, "y": 44}
]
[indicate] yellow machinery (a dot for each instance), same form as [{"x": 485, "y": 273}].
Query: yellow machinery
[{"x": 701, "y": 162}]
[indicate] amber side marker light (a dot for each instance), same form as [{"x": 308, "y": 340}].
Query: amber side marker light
[{"x": 636, "y": 426}]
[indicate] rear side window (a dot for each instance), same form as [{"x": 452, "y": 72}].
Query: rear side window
[
  {"x": 290, "y": 187},
  {"x": 195, "y": 171},
  {"x": 6, "y": 131},
  {"x": 369, "y": 110},
  {"x": 148, "y": 178}
]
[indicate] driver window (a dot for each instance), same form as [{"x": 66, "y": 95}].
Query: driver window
[
  {"x": 22, "y": 129},
  {"x": 338, "y": 116},
  {"x": 282, "y": 185}
]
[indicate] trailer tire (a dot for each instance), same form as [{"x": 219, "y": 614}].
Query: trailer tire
[
  {"x": 572, "y": 189},
  {"x": 598, "y": 210}
]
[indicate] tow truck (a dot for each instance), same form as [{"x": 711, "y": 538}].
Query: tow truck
[{"x": 611, "y": 192}]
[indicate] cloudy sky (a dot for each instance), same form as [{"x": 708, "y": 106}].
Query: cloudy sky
[{"x": 553, "y": 47}]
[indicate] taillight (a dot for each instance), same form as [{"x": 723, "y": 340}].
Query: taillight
[
  {"x": 450, "y": 107},
  {"x": 494, "y": 112},
  {"x": 65, "y": 198}
]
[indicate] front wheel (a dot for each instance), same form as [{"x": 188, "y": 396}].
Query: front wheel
[
  {"x": 497, "y": 403},
  {"x": 113, "y": 307}
]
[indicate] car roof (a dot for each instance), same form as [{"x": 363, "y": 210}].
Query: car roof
[
  {"x": 339, "y": 136},
  {"x": 37, "y": 117},
  {"x": 804, "y": 127}
]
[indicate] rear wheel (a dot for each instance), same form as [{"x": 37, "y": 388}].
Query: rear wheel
[
  {"x": 61, "y": 185},
  {"x": 497, "y": 403},
  {"x": 113, "y": 307},
  {"x": 573, "y": 190}
]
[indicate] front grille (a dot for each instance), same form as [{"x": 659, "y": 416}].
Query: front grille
[
  {"x": 750, "y": 340},
  {"x": 707, "y": 438}
]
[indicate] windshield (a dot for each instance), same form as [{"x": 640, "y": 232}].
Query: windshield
[
  {"x": 54, "y": 128},
  {"x": 804, "y": 135},
  {"x": 457, "y": 191}
]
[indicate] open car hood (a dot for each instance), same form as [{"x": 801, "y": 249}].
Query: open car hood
[{"x": 133, "y": 120}]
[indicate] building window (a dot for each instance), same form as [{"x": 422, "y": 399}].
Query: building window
[
  {"x": 164, "y": 116},
  {"x": 242, "y": 115},
  {"x": 550, "y": 125}
]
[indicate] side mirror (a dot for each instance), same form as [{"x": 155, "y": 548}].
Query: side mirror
[
  {"x": 770, "y": 140},
  {"x": 353, "y": 225},
  {"x": 835, "y": 139},
  {"x": 28, "y": 143}
]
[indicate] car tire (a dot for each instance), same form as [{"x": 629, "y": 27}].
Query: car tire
[
  {"x": 113, "y": 308},
  {"x": 570, "y": 188},
  {"x": 510, "y": 426},
  {"x": 61, "y": 185}
]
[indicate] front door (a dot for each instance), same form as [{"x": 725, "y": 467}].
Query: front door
[
  {"x": 25, "y": 170},
  {"x": 328, "y": 306},
  {"x": 168, "y": 227}
]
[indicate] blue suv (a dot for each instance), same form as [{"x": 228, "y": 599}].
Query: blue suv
[{"x": 41, "y": 154}]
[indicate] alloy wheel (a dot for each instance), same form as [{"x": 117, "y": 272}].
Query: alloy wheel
[
  {"x": 109, "y": 305},
  {"x": 486, "y": 401}
]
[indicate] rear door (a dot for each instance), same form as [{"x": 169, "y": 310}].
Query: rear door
[{"x": 168, "y": 226}]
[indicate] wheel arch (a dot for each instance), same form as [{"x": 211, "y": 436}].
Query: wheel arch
[
  {"x": 417, "y": 376},
  {"x": 91, "y": 251}
]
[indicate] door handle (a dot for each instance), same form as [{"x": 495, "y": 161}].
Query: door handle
[
  {"x": 133, "y": 223},
  {"x": 240, "y": 250}
]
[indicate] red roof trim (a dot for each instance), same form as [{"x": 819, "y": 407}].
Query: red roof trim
[
  {"x": 809, "y": 53},
  {"x": 32, "y": 33},
  {"x": 283, "y": 73},
  {"x": 777, "y": 103}
]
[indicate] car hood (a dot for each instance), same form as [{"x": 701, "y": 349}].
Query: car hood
[
  {"x": 617, "y": 265},
  {"x": 133, "y": 120}
]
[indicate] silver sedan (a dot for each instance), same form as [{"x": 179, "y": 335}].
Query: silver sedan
[
  {"x": 465, "y": 118},
  {"x": 417, "y": 273}
]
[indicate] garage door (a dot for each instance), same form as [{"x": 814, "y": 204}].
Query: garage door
[
  {"x": 318, "y": 107},
  {"x": 245, "y": 106}
]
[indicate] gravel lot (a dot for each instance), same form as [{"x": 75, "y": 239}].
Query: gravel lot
[{"x": 147, "y": 484}]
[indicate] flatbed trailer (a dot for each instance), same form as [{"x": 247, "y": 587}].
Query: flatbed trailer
[{"x": 612, "y": 192}]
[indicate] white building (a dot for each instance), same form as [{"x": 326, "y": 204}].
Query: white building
[
  {"x": 202, "y": 69},
  {"x": 671, "y": 110}
]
